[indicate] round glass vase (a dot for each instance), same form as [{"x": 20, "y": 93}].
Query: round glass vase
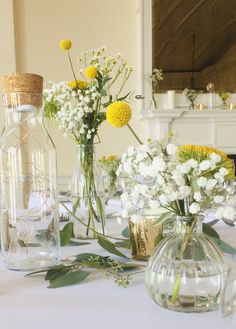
[
  {"x": 145, "y": 234},
  {"x": 187, "y": 271},
  {"x": 88, "y": 206}
]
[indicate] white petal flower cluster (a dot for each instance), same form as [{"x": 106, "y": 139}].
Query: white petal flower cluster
[
  {"x": 73, "y": 107},
  {"x": 151, "y": 176}
]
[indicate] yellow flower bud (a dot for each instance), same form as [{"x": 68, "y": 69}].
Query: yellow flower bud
[
  {"x": 65, "y": 44},
  {"x": 91, "y": 72}
]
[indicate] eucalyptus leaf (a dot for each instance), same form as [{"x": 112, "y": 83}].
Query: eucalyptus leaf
[
  {"x": 86, "y": 256},
  {"x": 109, "y": 246},
  {"x": 124, "y": 244},
  {"x": 125, "y": 233},
  {"x": 208, "y": 230},
  {"x": 163, "y": 218},
  {"x": 66, "y": 234},
  {"x": 69, "y": 279},
  {"x": 78, "y": 243},
  {"x": 57, "y": 272},
  {"x": 228, "y": 249}
]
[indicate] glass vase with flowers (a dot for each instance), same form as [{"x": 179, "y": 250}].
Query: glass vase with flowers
[
  {"x": 187, "y": 269},
  {"x": 79, "y": 108}
]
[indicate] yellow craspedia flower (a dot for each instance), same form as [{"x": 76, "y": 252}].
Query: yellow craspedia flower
[
  {"x": 78, "y": 84},
  {"x": 91, "y": 72},
  {"x": 200, "y": 153},
  {"x": 112, "y": 158},
  {"x": 65, "y": 44},
  {"x": 118, "y": 114}
]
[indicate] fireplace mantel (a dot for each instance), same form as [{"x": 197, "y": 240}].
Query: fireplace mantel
[{"x": 214, "y": 128}]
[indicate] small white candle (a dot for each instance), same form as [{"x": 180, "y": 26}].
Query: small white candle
[
  {"x": 201, "y": 107},
  {"x": 231, "y": 106},
  {"x": 171, "y": 99}
]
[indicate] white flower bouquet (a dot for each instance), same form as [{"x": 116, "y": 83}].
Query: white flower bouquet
[{"x": 185, "y": 181}]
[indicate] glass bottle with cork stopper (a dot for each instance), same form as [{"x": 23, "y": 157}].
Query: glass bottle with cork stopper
[{"x": 28, "y": 178}]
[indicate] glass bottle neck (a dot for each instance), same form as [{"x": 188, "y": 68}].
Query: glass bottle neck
[
  {"x": 22, "y": 109},
  {"x": 191, "y": 224},
  {"x": 86, "y": 152}
]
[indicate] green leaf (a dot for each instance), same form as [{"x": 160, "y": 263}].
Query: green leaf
[
  {"x": 56, "y": 272},
  {"x": 78, "y": 243},
  {"x": 208, "y": 230},
  {"x": 109, "y": 246},
  {"x": 124, "y": 244},
  {"x": 66, "y": 234},
  {"x": 125, "y": 233},
  {"x": 86, "y": 256},
  {"x": 163, "y": 218},
  {"x": 69, "y": 279},
  {"x": 228, "y": 249}
]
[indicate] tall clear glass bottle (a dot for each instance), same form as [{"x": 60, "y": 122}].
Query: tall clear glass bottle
[{"x": 28, "y": 178}]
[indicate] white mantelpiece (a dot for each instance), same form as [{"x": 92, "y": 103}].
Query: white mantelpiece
[{"x": 215, "y": 128}]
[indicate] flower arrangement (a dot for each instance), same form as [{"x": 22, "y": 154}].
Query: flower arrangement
[
  {"x": 156, "y": 77},
  {"x": 185, "y": 180},
  {"x": 78, "y": 108},
  {"x": 191, "y": 95}
]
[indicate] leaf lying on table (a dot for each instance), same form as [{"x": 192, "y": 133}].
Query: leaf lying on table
[
  {"x": 225, "y": 247},
  {"x": 109, "y": 246},
  {"x": 77, "y": 270}
]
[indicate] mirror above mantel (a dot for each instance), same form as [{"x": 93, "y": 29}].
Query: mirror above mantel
[{"x": 194, "y": 42}]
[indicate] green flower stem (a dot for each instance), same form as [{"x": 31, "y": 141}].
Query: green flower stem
[
  {"x": 81, "y": 222},
  {"x": 186, "y": 239},
  {"x": 134, "y": 133},
  {"x": 72, "y": 68}
]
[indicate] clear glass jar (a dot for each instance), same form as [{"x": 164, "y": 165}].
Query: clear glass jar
[
  {"x": 187, "y": 271},
  {"x": 28, "y": 174},
  {"x": 88, "y": 195}
]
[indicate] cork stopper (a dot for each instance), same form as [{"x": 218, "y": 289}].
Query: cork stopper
[{"x": 28, "y": 85}]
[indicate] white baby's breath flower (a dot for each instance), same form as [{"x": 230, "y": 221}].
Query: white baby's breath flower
[
  {"x": 223, "y": 171},
  {"x": 192, "y": 163},
  {"x": 197, "y": 196},
  {"x": 163, "y": 199},
  {"x": 194, "y": 208},
  {"x": 211, "y": 184},
  {"x": 218, "y": 199},
  {"x": 215, "y": 157},
  {"x": 204, "y": 165},
  {"x": 184, "y": 192},
  {"x": 171, "y": 149},
  {"x": 202, "y": 181}
]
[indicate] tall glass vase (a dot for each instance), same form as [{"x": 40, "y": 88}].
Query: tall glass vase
[
  {"x": 88, "y": 195},
  {"x": 187, "y": 271}
]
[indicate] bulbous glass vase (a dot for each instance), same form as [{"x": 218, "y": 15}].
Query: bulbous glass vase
[{"x": 187, "y": 271}]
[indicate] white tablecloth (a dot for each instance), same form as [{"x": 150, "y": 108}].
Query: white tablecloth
[{"x": 26, "y": 303}]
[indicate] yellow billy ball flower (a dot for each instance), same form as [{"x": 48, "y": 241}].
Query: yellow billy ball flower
[
  {"x": 91, "y": 72},
  {"x": 65, "y": 44},
  {"x": 78, "y": 84},
  {"x": 118, "y": 114}
]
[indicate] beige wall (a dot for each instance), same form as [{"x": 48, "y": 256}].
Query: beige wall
[{"x": 40, "y": 25}]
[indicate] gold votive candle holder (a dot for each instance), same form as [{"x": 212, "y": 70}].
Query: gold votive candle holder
[{"x": 145, "y": 234}]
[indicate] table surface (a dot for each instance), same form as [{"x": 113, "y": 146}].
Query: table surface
[{"x": 27, "y": 303}]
